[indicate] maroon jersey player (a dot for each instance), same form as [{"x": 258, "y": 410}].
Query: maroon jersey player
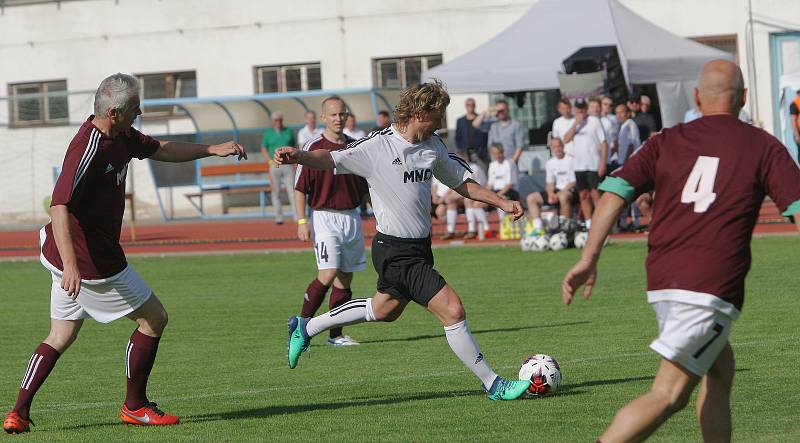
[
  {"x": 338, "y": 237},
  {"x": 81, "y": 249},
  {"x": 710, "y": 177}
]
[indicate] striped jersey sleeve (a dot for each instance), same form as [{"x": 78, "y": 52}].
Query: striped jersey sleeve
[
  {"x": 451, "y": 170},
  {"x": 80, "y": 154}
]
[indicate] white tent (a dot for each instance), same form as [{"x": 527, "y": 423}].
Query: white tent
[{"x": 529, "y": 53}]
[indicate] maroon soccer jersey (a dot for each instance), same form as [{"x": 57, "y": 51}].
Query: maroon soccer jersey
[
  {"x": 710, "y": 177},
  {"x": 326, "y": 190},
  {"x": 92, "y": 186}
]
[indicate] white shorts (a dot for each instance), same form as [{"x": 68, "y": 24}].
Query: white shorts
[
  {"x": 104, "y": 300},
  {"x": 690, "y": 335},
  {"x": 339, "y": 241}
]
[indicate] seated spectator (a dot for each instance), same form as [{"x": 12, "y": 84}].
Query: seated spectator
[
  {"x": 502, "y": 176},
  {"x": 559, "y": 189},
  {"x": 350, "y": 128},
  {"x": 475, "y": 210}
]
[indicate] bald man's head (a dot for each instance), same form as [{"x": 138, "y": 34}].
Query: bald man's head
[{"x": 720, "y": 88}]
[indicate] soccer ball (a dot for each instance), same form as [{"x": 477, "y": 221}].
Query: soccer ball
[
  {"x": 558, "y": 241},
  {"x": 526, "y": 243},
  {"x": 544, "y": 373},
  {"x": 580, "y": 239},
  {"x": 540, "y": 243}
]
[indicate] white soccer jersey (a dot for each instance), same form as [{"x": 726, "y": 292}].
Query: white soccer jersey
[
  {"x": 587, "y": 142},
  {"x": 501, "y": 174},
  {"x": 560, "y": 171},
  {"x": 560, "y": 127},
  {"x": 399, "y": 176}
]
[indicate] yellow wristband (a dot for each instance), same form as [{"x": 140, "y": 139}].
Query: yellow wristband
[{"x": 302, "y": 221}]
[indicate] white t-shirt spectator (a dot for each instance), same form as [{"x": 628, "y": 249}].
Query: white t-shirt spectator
[
  {"x": 501, "y": 174},
  {"x": 356, "y": 134},
  {"x": 628, "y": 139},
  {"x": 305, "y": 135},
  {"x": 587, "y": 140},
  {"x": 560, "y": 127},
  {"x": 560, "y": 171}
]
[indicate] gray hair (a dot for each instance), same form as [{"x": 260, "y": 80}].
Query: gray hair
[{"x": 115, "y": 92}]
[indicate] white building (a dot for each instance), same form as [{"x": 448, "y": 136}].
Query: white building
[{"x": 240, "y": 47}]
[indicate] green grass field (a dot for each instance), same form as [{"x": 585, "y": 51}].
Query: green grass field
[{"x": 222, "y": 366}]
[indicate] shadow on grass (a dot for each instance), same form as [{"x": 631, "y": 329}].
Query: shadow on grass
[
  {"x": 269, "y": 411},
  {"x": 567, "y": 389},
  {"x": 480, "y": 331}
]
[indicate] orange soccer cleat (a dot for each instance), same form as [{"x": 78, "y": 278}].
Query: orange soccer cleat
[
  {"x": 147, "y": 415},
  {"x": 15, "y": 424}
]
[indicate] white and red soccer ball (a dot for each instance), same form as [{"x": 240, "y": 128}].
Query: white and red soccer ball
[{"x": 544, "y": 373}]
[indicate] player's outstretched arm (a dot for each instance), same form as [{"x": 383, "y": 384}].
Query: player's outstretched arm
[
  {"x": 474, "y": 191},
  {"x": 176, "y": 152},
  {"x": 319, "y": 159},
  {"x": 585, "y": 271}
]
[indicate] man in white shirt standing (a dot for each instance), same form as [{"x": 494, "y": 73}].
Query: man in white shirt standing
[
  {"x": 399, "y": 163},
  {"x": 563, "y": 123},
  {"x": 590, "y": 152},
  {"x": 310, "y": 131},
  {"x": 559, "y": 187}
]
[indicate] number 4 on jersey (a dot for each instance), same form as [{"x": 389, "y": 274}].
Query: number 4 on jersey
[{"x": 699, "y": 188}]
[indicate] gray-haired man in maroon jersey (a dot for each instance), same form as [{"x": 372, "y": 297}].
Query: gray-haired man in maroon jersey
[{"x": 81, "y": 249}]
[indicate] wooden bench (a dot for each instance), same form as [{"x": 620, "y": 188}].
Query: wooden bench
[{"x": 234, "y": 187}]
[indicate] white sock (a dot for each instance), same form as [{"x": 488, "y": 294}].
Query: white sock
[
  {"x": 357, "y": 310},
  {"x": 480, "y": 214},
  {"x": 463, "y": 344},
  {"x": 500, "y": 215},
  {"x": 470, "y": 213},
  {"x": 451, "y": 220},
  {"x": 537, "y": 223},
  {"x": 588, "y": 224}
]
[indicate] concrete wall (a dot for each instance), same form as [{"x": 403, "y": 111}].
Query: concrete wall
[{"x": 83, "y": 41}]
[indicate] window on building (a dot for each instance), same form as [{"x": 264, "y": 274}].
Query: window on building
[
  {"x": 402, "y": 72},
  {"x": 166, "y": 85},
  {"x": 38, "y": 103},
  {"x": 287, "y": 78},
  {"x": 725, "y": 43}
]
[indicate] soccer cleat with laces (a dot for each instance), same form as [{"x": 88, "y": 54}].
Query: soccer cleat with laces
[
  {"x": 15, "y": 424},
  {"x": 342, "y": 340},
  {"x": 298, "y": 341},
  {"x": 503, "y": 389},
  {"x": 147, "y": 415}
]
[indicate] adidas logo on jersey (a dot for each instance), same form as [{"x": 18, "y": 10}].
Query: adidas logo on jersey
[{"x": 397, "y": 161}]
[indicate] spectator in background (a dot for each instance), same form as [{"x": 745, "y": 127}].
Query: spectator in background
[
  {"x": 310, "y": 131},
  {"x": 628, "y": 140},
  {"x": 794, "y": 111},
  {"x": 559, "y": 188},
  {"x": 590, "y": 153},
  {"x": 351, "y": 130},
  {"x": 383, "y": 119},
  {"x": 595, "y": 109},
  {"x": 502, "y": 129},
  {"x": 275, "y": 137},
  {"x": 502, "y": 177},
  {"x": 471, "y": 139},
  {"x": 691, "y": 115},
  {"x": 644, "y": 120},
  {"x": 633, "y": 105},
  {"x": 562, "y": 124}
]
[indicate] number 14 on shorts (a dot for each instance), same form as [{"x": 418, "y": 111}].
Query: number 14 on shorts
[{"x": 321, "y": 251}]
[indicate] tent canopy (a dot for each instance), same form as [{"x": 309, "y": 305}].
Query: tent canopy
[{"x": 529, "y": 53}]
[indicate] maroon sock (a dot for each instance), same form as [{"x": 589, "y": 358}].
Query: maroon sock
[
  {"x": 42, "y": 361},
  {"x": 139, "y": 359},
  {"x": 315, "y": 293},
  {"x": 338, "y": 298}
]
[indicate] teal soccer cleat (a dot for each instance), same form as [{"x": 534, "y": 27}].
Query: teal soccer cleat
[
  {"x": 503, "y": 389},
  {"x": 298, "y": 340}
]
